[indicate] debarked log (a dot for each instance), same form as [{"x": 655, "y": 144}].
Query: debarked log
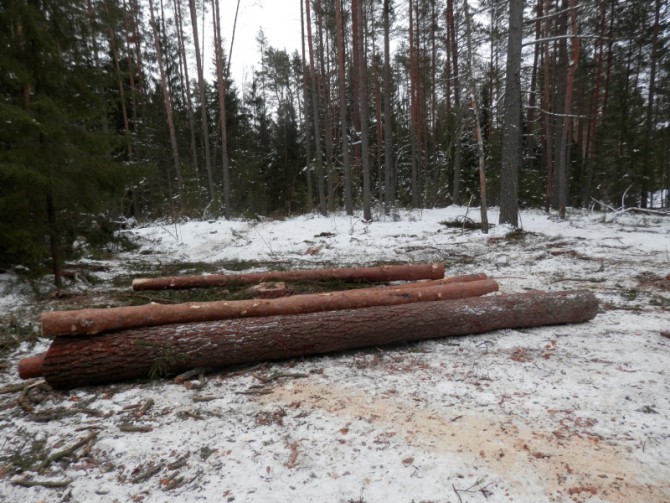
[
  {"x": 95, "y": 321},
  {"x": 372, "y": 274},
  {"x": 118, "y": 356}
]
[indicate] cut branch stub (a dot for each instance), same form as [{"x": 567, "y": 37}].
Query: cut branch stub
[
  {"x": 129, "y": 354},
  {"x": 95, "y": 321},
  {"x": 372, "y": 274}
]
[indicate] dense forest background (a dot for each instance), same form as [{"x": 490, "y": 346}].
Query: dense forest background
[{"x": 107, "y": 112}]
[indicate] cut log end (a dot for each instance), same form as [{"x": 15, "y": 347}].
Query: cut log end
[{"x": 31, "y": 367}]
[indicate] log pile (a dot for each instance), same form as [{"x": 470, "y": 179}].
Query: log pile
[{"x": 98, "y": 346}]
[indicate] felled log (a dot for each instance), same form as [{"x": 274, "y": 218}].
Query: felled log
[
  {"x": 130, "y": 354},
  {"x": 95, "y": 321},
  {"x": 269, "y": 290},
  {"x": 372, "y": 274}
]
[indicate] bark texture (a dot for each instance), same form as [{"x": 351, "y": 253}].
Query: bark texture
[
  {"x": 131, "y": 354},
  {"x": 378, "y": 274},
  {"x": 96, "y": 321}
]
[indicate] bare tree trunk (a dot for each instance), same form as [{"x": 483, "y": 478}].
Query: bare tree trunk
[
  {"x": 204, "y": 123},
  {"x": 342, "y": 88},
  {"x": 306, "y": 124},
  {"x": 325, "y": 93},
  {"x": 187, "y": 82},
  {"x": 122, "y": 92},
  {"x": 221, "y": 88},
  {"x": 315, "y": 112},
  {"x": 131, "y": 354},
  {"x": 564, "y": 157},
  {"x": 511, "y": 139},
  {"x": 389, "y": 181},
  {"x": 166, "y": 94},
  {"x": 546, "y": 107},
  {"x": 413, "y": 104},
  {"x": 363, "y": 100},
  {"x": 646, "y": 175},
  {"x": 531, "y": 143},
  {"x": 453, "y": 48},
  {"x": 478, "y": 130}
]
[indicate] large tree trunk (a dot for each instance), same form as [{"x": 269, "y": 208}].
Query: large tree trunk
[
  {"x": 478, "y": 130},
  {"x": 342, "y": 88},
  {"x": 389, "y": 182},
  {"x": 166, "y": 96},
  {"x": 373, "y": 274},
  {"x": 221, "y": 85},
  {"x": 315, "y": 112},
  {"x": 453, "y": 49},
  {"x": 166, "y": 349},
  {"x": 363, "y": 107},
  {"x": 96, "y": 321},
  {"x": 509, "y": 180},
  {"x": 204, "y": 123}
]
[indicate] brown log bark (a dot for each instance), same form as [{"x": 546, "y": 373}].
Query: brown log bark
[
  {"x": 96, "y": 321},
  {"x": 372, "y": 274},
  {"x": 131, "y": 354}
]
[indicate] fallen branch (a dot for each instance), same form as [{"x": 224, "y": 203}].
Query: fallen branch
[
  {"x": 95, "y": 321},
  {"x": 130, "y": 354},
  {"x": 373, "y": 274},
  {"x": 68, "y": 451},
  {"x": 52, "y": 484}
]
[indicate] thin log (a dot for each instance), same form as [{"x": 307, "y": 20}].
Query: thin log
[
  {"x": 467, "y": 278},
  {"x": 372, "y": 274},
  {"x": 96, "y": 321},
  {"x": 130, "y": 354}
]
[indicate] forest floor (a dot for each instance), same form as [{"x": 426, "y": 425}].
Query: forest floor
[{"x": 560, "y": 413}]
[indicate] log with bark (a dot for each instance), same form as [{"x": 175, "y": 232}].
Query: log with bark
[
  {"x": 95, "y": 321},
  {"x": 130, "y": 354},
  {"x": 372, "y": 274}
]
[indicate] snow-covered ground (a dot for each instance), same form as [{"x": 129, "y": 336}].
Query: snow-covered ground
[{"x": 562, "y": 413}]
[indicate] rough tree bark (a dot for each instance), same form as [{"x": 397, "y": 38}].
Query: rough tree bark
[
  {"x": 315, "y": 112},
  {"x": 166, "y": 95},
  {"x": 342, "y": 89},
  {"x": 131, "y": 354},
  {"x": 509, "y": 181},
  {"x": 478, "y": 130},
  {"x": 374, "y": 274},
  {"x": 389, "y": 183},
  {"x": 97, "y": 321}
]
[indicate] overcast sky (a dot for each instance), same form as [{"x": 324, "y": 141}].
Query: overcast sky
[{"x": 280, "y": 20}]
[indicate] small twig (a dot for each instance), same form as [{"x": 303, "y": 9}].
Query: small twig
[
  {"x": 68, "y": 451},
  {"x": 15, "y": 388},
  {"x": 181, "y": 462},
  {"x": 209, "y": 398},
  {"x": 254, "y": 392},
  {"x": 128, "y": 427},
  {"x": 147, "y": 474},
  {"x": 457, "y": 493},
  {"x": 190, "y": 374},
  {"x": 145, "y": 407},
  {"x": 279, "y": 375},
  {"x": 42, "y": 483},
  {"x": 153, "y": 300}
]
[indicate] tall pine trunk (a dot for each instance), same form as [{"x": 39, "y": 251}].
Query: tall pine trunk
[
  {"x": 315, "y": 112},
  {"x": 342, "y": 88},
  {"x": 511, "y": 138},
  {"x": 363, "y": 101},
  {"x": 453, "y": 48},
  {"x": 204, "y": 122},
  {"x": 221, "y": 89},
  {"x": 166, "y": 94},
  {"x": 478, "y": 129},
  {"x": 389, "y": 182}
]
